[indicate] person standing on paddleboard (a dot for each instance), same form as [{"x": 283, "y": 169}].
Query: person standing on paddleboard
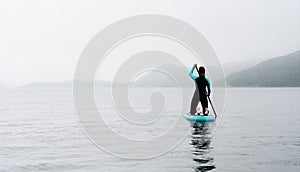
[{"x": 200, "y": 91}]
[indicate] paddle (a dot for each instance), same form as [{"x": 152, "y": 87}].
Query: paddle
[
  {"x": 212, "y": 107},
  {"x": 209, "y": 98}
]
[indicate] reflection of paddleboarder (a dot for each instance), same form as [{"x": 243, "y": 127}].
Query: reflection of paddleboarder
[
  {"x": 201, "y": 140},
  {"x": 200, "y": 92}
]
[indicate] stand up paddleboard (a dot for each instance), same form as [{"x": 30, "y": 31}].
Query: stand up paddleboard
[{"x": 198, "y": 118}]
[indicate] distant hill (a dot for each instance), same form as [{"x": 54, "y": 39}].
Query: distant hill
[
  {"x": 238, "y": 66},
  {"x": 62, "y": 84},
  {"x": 283, "y": 71},
  {"x": 160, "y": 79}
]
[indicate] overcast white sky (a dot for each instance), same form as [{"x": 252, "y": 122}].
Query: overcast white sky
[{"x": 42, "y": 40}]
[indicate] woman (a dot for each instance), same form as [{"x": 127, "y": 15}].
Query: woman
[{"x": 200, "y": 92}]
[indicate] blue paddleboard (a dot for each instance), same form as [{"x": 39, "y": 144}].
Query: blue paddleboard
[{"x": 198, "y": 118}]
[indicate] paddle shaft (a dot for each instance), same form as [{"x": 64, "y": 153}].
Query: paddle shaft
[
  {"x": 212, "y": 106},
  {"x": 208, "y": 97}
]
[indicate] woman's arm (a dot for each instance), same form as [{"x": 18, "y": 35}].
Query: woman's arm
[{"x": 191, "y": 73}]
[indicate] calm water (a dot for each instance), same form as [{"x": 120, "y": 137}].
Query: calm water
[{"x": 260, "y": 131}]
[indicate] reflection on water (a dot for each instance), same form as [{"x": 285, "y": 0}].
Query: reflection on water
[{"x": 200, "y": 140}]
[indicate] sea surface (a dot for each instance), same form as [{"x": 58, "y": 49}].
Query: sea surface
[{"x": 259, "y": 131}]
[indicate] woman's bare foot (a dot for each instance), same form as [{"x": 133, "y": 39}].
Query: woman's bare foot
[
  {"x": 197, "y": 111},
  {"x": 206, "y": 112}
]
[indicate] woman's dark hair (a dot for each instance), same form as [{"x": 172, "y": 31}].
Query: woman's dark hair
[{"x": 201, "y": 70}]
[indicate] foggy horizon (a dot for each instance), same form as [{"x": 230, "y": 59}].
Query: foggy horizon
[{"x": 42, "y": 41}]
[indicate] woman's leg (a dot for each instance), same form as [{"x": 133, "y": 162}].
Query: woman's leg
[{"x": 204, "y": 104}]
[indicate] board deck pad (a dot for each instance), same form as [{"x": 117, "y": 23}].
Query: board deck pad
[{"x": 198, "y": 118}]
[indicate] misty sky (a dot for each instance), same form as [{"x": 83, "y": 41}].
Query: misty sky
[{"x": 42, "y": 40}]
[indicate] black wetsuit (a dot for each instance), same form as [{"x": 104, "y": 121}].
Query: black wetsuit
[{"x": 200, "y": 92}]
